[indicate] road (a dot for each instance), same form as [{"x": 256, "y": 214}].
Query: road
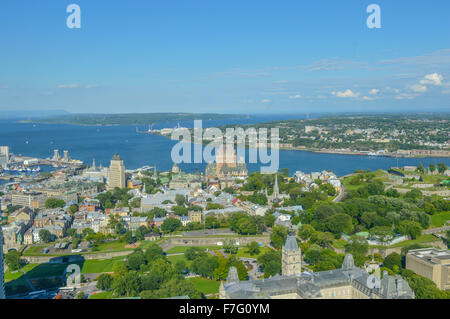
[
  {"x": 436, "y": 230},
  {"x": 341, "y": 194}
]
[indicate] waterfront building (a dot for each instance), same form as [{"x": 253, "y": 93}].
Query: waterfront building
[
  {"x": 116, "y": 176},
  {"x": 348, "y": 282},
  {"x": 431, "y": 263},
  {"x": 4, "y": 156},
  {"x": 56, "y": 156}
]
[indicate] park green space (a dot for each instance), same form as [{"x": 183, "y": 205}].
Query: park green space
[
  {"x": 440, "y": 219},
  {"x": 206, "y": 286},
  {"x": 423, "y": 239},
  {"x": 101, "y": 295}
]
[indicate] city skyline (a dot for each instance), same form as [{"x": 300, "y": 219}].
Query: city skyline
[{"x": 224, "y": 58}]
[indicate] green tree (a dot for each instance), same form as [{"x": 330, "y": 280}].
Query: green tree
[
  {"x": 180, "y": 199},
  {"x": 205, "y": 266},
  {"x": 180, "y": 266},
  {"x": 339, "y": 223},
  {"x": 45, "y": 235},
  {"x": 128, "y": 284},
  {"x": 104, "y": 282},
  {"x": 12, "y": 260},
  {"x": 229, "y": 246},
  {"x": 141, "y": 232},
  {"x": 278, "y": 236},
  {"x": 54, "y": 203},
  {"x": 393, "y": 260},
  {"x": 170, "y": 225},
  {"x": 442, "y": 167},
  {"x": 253, "y": 248},
  {"x": 410, "y": 228},
  {"x": 135, "y": 260}
]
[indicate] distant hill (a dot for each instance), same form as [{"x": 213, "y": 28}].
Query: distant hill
[
  {"x": 30, "y": 114},
  {"x": 131, "y": 118}
]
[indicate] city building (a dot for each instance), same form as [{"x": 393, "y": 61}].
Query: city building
[
  {"x": 4, "y": 156},
  {"x": 431, "y": 263},
  {"x": 116, "y": 176},
  {"x": 226, "y": 169},
  {"x": 29, "y": 199},
  {"x": 348, "y": 282},
  {"x": 196, "y": 216}
]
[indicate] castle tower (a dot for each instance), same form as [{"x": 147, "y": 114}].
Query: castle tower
[
  {"x": 116, "y": 176},
  {"x": 233, "y": 277},
  {"x": 291, "y": 258},
  {"x": 2, "y": 277}
]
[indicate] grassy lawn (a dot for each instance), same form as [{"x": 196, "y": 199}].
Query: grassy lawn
[
  {"x": 182, "y": 249},
  {"x": 35, "y": 250},
  {"x": 427, "y": 238},
  {"x": 46, "y": 270},
  {"x": 101, "y": 295},
  {"x": 206, "y": 286},
  {"x": 243, "y": 252},
  {"x": 439, "y": 220},
  {"x": 96, "y": 266},
  {"x": 19, "y": 285},
  {"x": 339, "y": 243}
]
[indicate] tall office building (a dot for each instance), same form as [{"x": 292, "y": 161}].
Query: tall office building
[
  {"x": 116, "y": 176},
  {"x": 4, "y": 156},
  {"x": 56, "y": 156},
  {"x": 66, "y": 157},
  {"x": 2, "y": 277}
]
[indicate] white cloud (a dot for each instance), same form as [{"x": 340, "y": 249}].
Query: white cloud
[
  {"x": 297, "y": 96},
  {"x": 346, "y": 94},
  {"x": 432, "y": 79},
  {"x": 68, "y": 86},
  {"x": 405, "y": 96},
  {"x": 366, "y": 98},
  {"x": 419, "y": 88},
  {"x": 75, "y": 86},
  {"x": 266, "y": 101},
  {"x": 374, "y": 91}
]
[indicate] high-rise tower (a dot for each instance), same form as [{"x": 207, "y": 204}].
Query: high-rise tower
[{"x": 116, "y": 177}]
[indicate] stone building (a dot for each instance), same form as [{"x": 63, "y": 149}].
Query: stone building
[
  {"x": 431, "y": 263},
  {"x": 116, "y": 175},
  {"x": 348, "y": 282},
  {"x": 291, "y": 263}
]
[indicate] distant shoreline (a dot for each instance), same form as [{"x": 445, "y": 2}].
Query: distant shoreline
[{"x": 335, "y": 152}]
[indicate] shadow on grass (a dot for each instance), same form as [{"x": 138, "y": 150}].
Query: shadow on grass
[{"x": 50, "y": 275}]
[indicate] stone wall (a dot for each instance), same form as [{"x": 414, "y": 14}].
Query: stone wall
[
  {"x": 211, "y": 241},
  {"x": 73, "y": 258}
]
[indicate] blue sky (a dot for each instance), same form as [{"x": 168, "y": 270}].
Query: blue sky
[{"x": 225, "y": 56}]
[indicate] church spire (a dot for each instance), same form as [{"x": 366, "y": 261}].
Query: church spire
[{"x": 276, "y": 190}]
